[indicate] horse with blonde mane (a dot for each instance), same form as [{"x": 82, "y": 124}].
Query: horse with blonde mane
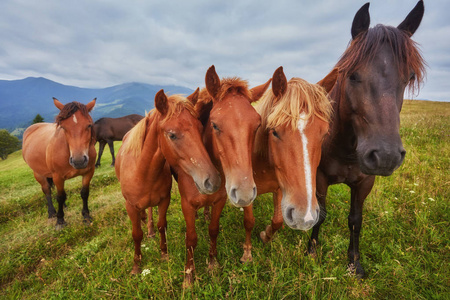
[
  {"x": 295, "y": 118},
  {"x": 168, "y": 137}
]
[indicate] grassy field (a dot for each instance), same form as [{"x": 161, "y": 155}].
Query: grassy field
[{"x": 404, "y": 242}]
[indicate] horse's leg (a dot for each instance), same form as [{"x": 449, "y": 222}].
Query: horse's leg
[
  {"x": 111, "y": 149},
  {"x": 85, "y": 195},
  {"x": 61, "y": 198},
  {"x": 47, "y": 190},
  {"x": 359, "y": 193},
  {"x": 162, "y": 226},
  {"x": 249, "y": 223},
  {"x": 321, "y": 194},
  {"x": 137, "y": 233},
  {"x": 214, "y": 232},
  {"x": 150, "y": 226},
  {"x": 277, "y": 219},
  {"x": 101, "y": 146},
  {"x": 191, "y": 242}
]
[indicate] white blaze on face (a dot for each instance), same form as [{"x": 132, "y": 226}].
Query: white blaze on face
[
  {"x": 306, "y": 164},
  {"x": 75, "y": 119}
]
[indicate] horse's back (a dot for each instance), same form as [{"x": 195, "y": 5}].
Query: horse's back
[
  {"x": 35, "y": 141},
  {"x": 115, "y": 128}
]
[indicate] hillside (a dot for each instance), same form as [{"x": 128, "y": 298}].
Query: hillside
[{"x": 21, "y": 100}]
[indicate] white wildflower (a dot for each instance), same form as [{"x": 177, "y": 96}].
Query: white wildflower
[{"x": 145, "y": 272}]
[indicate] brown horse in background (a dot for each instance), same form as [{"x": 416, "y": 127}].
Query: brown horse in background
[
  {"x": 364, "y": 139},
  {"x": 168, "y": 137},
  {"x": 108, "y": 130},
  {"x": 230, "y": 123},
  {"x": 57, "y": 152},
  {"x": 295, "y": 115}
]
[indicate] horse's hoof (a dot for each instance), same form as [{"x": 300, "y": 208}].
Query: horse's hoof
[
  {"x": 151, "y": 235},
  {"x": 60, "y": 226},
  {"x": 164, "y": 256},
  {"x": 136, "y": 270},
  {"x": 213, "y": 264},
  {"x": 246, "y": 259},
  {"x": 355, "y": 269},
  {"x": 87, "y": 220},
  {"x": 188, "y": 281},
  {"x": 263, "y": 237},
  {"x": 97, "y": 166}
]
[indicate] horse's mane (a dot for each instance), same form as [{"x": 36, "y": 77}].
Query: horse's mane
[
  {"x": 406, "y": 53},
  {"x": 227, "y": 85},
  {"x": 69, "y": 109},
  {"x": 136, "y": 136},
  {"x": 301, "y": 97}
]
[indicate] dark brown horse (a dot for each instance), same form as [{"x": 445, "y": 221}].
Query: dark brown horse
[
  {"x": 168, "y": 137},
  {"x": 230, "y": 123},
  {"x": 108, "y": 130},
  {"x": 57, "y": 152},
  {"x": 364, "y": 141}
]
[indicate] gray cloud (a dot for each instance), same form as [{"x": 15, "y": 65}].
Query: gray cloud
[{"x": 102, "y": 43}]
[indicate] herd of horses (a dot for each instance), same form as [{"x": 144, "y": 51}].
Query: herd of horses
[{"x": 227, "y": 141}]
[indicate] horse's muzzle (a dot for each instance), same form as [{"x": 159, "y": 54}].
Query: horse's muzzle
[{"x": 79, "y": 162}]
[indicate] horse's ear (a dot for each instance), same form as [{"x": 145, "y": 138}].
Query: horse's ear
[
  {"x": 58, "y": 104},
  {"x": 413, "y": 19},
  {"x": 91, "y": 105},
  {"x": 161, "y": 102},
  {"x": 212, "y": 82},
  {"x": 329, "y": 81},
  {"x": 194, "y": 96},
  {"x": 361, "y": 21},
  {"x": 279, "y": 82},
  {"x": 258, "y": 91}
]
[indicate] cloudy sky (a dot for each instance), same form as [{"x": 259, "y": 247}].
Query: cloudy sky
[{"x": 102, "y": 43}]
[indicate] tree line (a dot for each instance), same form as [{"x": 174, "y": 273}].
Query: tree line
[{"x": 10, "y": 143}]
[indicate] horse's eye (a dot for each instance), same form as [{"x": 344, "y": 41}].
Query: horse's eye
[
  {"x": 354, "y": 77},
  {"x": 412, "y": 76},
  {"x": 214, "y": 126},
  {"x": 275, "y": 134},
  {"x": 172, "y": 136}
]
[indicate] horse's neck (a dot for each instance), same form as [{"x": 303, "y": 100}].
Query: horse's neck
[
  {"x": 151, "y": 157},
  {"x": 263, "y": 171},
  {"x": 340, "y": 141}
]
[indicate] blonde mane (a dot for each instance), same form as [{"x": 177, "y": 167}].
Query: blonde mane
[
  {"x": 136, "y": 136},
  {"x": 301, "y": 97}
]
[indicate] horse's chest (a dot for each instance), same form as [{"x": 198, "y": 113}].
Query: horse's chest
[{"x": 338, "y": 172}]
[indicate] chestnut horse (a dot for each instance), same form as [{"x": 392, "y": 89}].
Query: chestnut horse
[
  {"x": 57, "y": 152},
  {"x": 364, "y": 139},
  {"x": 108, "y": 130},
  {"x": 168, "y": 137},
  {"x": 230, "y": 123},
  {"x": 295, "y": 116}
]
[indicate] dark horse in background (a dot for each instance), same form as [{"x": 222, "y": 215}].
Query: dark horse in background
[
  {"x": 108, "y": 130},
  {"x": 364, "y": 140}
]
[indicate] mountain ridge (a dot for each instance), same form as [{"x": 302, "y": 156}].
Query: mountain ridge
[{"x": 22, "y": 99}]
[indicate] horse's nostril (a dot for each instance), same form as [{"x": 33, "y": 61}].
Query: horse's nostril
[
  {"x": 207, "y": 184},
  {"x": 289, "y": 213},
  {"x": 402, "y": 154},
  {"x": 233, "y": 194}
]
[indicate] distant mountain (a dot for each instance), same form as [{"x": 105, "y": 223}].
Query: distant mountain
[{"x": 21, "y": 100}]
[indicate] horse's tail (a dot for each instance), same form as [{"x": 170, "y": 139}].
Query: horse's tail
[{"x": 135, "y": 138}]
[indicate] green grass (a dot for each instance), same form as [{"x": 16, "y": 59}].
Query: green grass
[{"x": 404, "y": 242}]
